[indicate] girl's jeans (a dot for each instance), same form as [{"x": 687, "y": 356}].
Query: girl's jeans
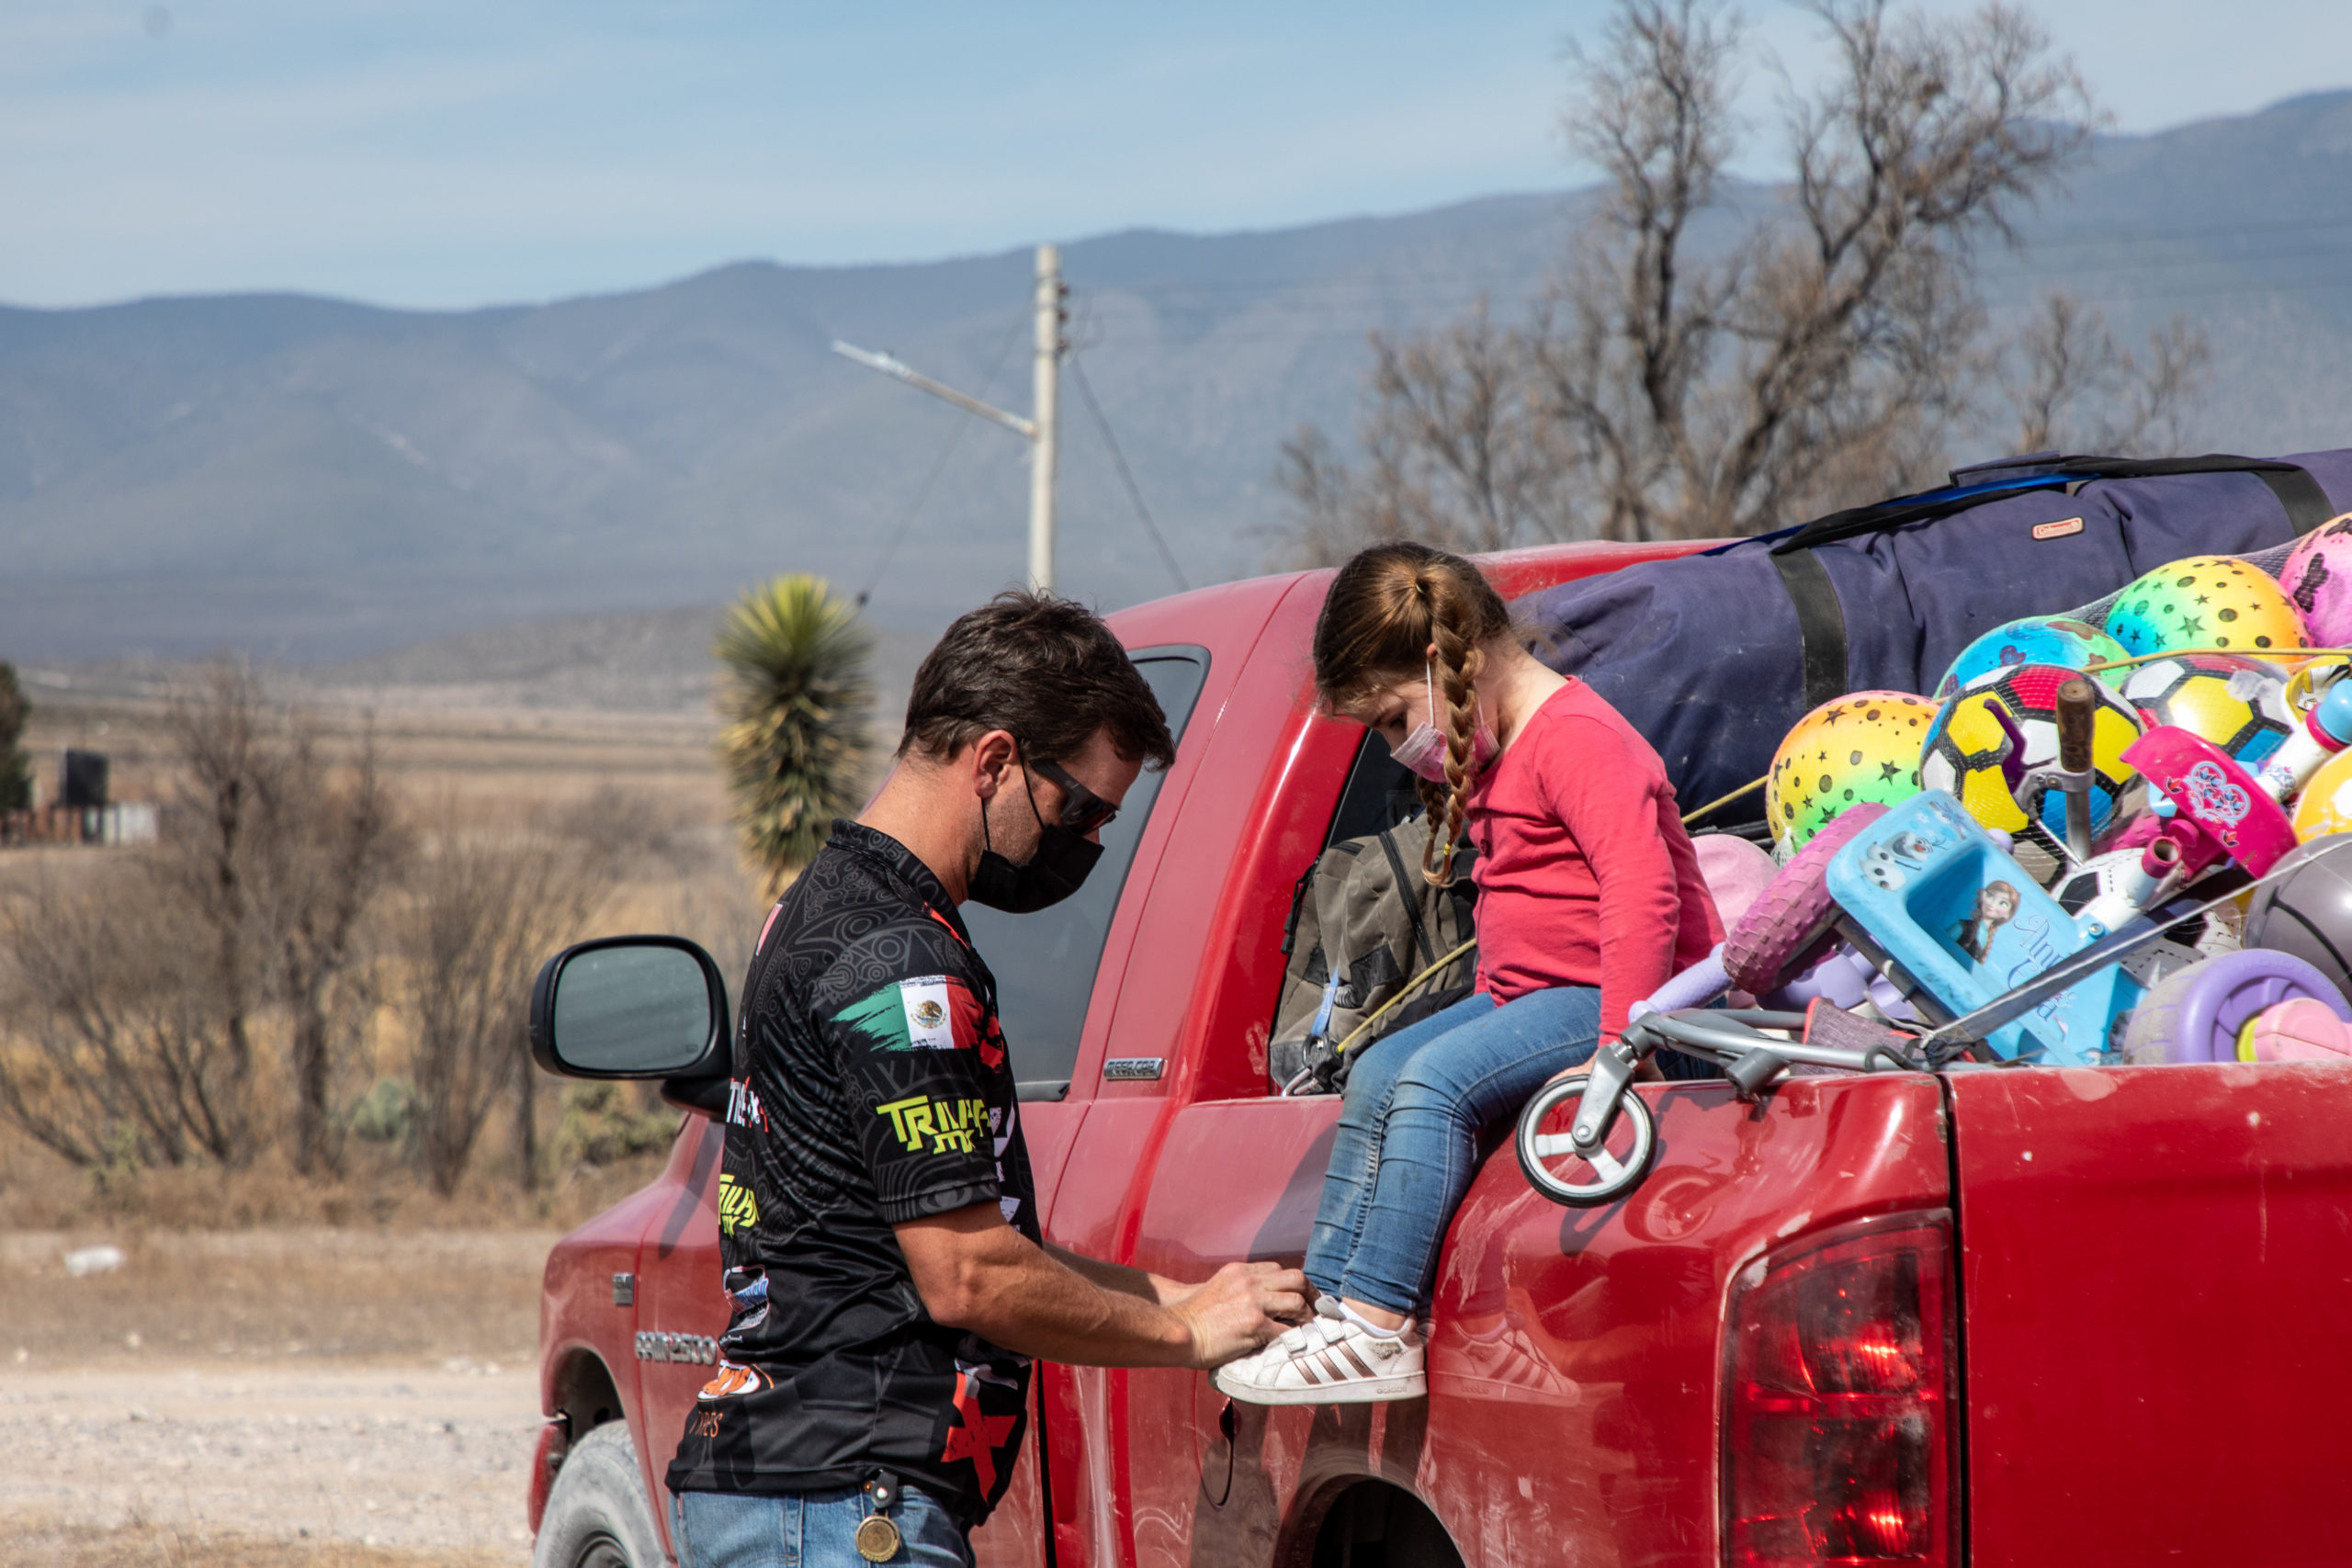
[{"x": 1406, "y": 1146}]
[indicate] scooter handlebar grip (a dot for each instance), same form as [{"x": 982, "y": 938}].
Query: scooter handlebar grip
[
  {"x": 2078, "y": 707},
  {"x": 1694, "y": 988}
]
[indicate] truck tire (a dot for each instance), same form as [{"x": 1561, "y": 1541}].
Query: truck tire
[
  {"x": 1792, "y": 917},
  {"x": 597, "y": 1515}
]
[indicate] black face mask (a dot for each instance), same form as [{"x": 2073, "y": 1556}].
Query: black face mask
[{"x": 1052, "y": 873}]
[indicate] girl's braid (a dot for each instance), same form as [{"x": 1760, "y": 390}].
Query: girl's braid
[{"x": 1457, "y": 661}]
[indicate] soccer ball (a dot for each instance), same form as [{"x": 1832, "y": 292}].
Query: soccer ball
[
  {"x": 1860, "y": 747},
  {"x": 2037, "y": 640},
  {"x": 2238, "y": 703},
  {"x": 2205, "y": 602},
  {"x": 2004, "y": 723}
]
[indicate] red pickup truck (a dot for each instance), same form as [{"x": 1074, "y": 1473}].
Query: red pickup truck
[{"x": 2090, "y": 1315}]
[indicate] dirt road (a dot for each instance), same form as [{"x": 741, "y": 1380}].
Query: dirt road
[{"x": 423, "y": 1458}]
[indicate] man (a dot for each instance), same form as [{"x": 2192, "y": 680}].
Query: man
[{"x": 879, "y": 1230}]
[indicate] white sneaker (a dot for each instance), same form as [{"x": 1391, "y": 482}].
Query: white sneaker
[{"x": 1330, "y": 1360}]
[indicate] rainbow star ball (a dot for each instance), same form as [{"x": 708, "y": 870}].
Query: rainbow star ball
[
  {"x": 2037, "y": 640},
  {"x": 2238, "y": 703},
  {"x": 2205, "y": 602},
  {"x": 2318, "y": 581},
  {"x": 1974, "y": 755},
  {"x": 1862, "y": 746}
]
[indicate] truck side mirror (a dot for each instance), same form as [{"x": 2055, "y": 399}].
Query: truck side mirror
[{"x": 631, "y": 1007}]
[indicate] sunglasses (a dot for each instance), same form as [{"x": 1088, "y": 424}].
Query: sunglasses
[{"x": 1083, "y": 810}]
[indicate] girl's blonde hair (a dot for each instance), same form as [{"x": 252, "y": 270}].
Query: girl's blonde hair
[{"x": 1387, "y": 607}]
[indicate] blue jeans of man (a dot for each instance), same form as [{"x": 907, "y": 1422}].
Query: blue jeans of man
[
  {"x": 808, "y": 1529},
  {"x": 1407, "y": 1143}
]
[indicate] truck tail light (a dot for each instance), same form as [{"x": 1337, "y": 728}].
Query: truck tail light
[{"x": 1839, "y": 1384}]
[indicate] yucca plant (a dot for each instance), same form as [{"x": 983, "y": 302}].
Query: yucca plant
[{"x": 797, "y": 694}]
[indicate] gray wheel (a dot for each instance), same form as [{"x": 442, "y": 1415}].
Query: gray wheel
[
  {"x": 1585, "y": 1179},
  {"x": 597, "y": 1513}
]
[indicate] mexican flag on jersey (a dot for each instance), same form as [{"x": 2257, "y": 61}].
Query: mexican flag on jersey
[{"x": 928, "y": 1012}]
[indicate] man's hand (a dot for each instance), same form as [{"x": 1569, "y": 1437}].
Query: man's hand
[{"x": 1240, "y": 1307}]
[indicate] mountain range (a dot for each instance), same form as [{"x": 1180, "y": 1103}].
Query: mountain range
[{"x": 319, "y": 482}]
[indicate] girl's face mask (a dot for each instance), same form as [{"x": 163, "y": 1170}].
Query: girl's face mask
[{"x": 1423, "y": 751}]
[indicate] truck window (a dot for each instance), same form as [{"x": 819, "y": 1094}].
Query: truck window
[
  {"x": 1044, "y": 962},
  {"x": 1379, "y": 793}
]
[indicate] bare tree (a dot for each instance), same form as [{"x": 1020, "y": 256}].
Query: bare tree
[
  {"x": 479, "y": 914},
  {"x": 1457, "y": 446},
  {"x": 275, "y": 856},
  {"x": 109, "y": 1051},
  {"x": 336, "y": 842},
  {"x": 2074, "y": 388},
  {"x": 1716, "y": 358},
  {"x": 217, "y": 820}
]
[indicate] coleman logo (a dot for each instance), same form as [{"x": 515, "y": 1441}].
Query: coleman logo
[{"x": 2058, "y": 530}]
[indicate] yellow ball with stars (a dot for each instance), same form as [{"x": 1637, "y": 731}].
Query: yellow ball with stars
[
  {"x": 1862, "y": 746},
  {"x": 2205, "y": 602}
]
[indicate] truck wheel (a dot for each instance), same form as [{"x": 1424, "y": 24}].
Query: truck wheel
[
  {"x": 597, "y": 1516},
  {"x": 1553, "y": 1167},
  {"x": 1779, "y": 929}
]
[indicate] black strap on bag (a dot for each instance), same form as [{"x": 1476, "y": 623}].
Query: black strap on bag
[
  {"x": 2300, "y": 495},
  {"x": 1405, "y": 888},
  {"x": 1821, "y": 624},
  {"x": 1821, "y": 620}
]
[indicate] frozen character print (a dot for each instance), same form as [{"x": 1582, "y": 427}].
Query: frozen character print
[{"x": 1995, "y": 903}]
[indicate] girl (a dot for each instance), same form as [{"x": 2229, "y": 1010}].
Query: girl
[{"x": 1590, "y": 898}]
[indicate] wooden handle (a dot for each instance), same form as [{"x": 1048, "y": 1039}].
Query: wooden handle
[{"x": 2077, "y": 705}]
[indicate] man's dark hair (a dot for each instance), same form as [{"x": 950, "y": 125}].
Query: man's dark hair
[{"x": 1046, "y": 669}]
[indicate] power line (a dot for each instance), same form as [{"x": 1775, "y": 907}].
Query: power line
[
  {"x": 1086, "y": 391},
  {"x": 938, "y": 467}
]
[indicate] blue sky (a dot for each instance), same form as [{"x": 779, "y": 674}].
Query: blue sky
[{"x": 432, "y": 153}]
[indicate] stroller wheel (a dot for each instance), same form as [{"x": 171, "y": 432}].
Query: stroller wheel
[{"x": 1554, "y": 1166}]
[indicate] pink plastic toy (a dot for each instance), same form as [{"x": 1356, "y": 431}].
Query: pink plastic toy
[
  {"x": 2301, "y": 1029},
  {"x": 1735, "y": 872}
]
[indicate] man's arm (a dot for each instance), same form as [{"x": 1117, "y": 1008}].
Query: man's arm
[
  {"x": 1157, "y": 1289},
  {"x": 973, "y": 1272}
]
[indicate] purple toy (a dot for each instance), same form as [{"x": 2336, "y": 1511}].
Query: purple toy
[{"x": 2195, "y": 1014}]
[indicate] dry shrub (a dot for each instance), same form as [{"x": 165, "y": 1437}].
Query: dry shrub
[{"x": 477, "y": 917}]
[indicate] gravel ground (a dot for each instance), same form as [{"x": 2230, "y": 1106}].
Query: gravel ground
[{"x": 416, "y": 1459}]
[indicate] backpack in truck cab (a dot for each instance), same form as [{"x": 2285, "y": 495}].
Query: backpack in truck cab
[{"x": 1364, "y": 913}]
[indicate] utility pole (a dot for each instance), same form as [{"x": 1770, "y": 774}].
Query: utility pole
[
  {"x": 1044, "y": 401},
  {"x": 1045, "y": 422}
]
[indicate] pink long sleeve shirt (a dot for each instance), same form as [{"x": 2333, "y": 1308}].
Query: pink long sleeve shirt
[{"x": 1585, "y": 875}]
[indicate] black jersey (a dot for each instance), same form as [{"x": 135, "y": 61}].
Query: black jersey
[{"x": 871, "y": 1088}]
